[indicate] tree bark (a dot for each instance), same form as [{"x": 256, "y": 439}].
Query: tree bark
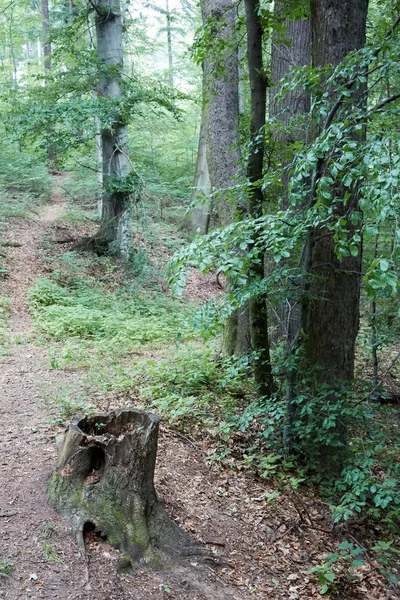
[
  {"x": 169, "y": 42},
  {"x": 255, "y": 171},
  {"x": 103, "y": 480},
  {"x": 115, "y": 229},
  {"x": 222, "y": 92},
  {"x": 223, "y": 154},
  {"x": 199, "y": 217},
  {"x": 331, "y": 304},
  {"x": 289, "y": 51},
  {"x": 45, "y": 28}
]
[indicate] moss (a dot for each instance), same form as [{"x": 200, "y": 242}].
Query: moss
[{"x": 125, "y": 528}]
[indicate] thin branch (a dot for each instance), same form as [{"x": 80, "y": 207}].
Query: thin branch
[
  {"x": 384, "y": 103},
  {"x": 95, "y": 7}
]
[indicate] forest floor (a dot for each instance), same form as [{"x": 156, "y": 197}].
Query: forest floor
[{"x": 258, "y": 549}]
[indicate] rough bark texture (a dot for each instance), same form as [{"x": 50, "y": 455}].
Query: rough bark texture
[
  {"x": 290, "y": 49},
  {"x": 103, "y": 480},
  {"x": 115, "y": 230},
  {"x": 222, "y": 91},
  {"x": 331, "y": 310},
  {"x": 223, "y": 155},
  {"x": 258, "y": 96}
]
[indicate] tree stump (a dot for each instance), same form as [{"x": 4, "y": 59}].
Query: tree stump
[{"x": 103, "y": 480}]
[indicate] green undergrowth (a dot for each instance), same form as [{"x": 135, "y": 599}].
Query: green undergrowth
[
  {"x": 86, "y": 317},
  {"x": 196, "y": 383},
  {"x": 65, "y": 402},
  {"x": 24, "y": 185}
]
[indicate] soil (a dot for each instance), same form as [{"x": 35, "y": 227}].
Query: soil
[{"x": 260, "y": 546}]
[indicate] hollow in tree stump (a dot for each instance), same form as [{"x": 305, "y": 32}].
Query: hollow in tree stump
[{"x": 104, "y": 481}]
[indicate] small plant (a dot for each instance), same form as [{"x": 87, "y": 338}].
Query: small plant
[
  {"x": 342, "y": 563},
  {"x": 50, "y": 554},
  {"x": 5, "y": 567},
  {"x": 386, "y": 555}
]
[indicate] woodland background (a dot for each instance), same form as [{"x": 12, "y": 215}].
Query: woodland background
[{"x": 250, "y": 151}]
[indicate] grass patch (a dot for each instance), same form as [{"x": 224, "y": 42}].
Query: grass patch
[{"x": 78, "y": 216}]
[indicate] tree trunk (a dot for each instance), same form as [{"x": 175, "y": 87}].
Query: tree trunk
[
  {"x": 289, "y": 50},
  {"x": 331, "y": 304},
  {"x": 115, "y": 230},
  {"x": 51, "y": 147},
  {"x": 222, "y": 93},
  {"x": 45, "y": 28},
  {"x": 223, "y": 155},
  {"x": 99, "y": 164},
  {"x": 103, "y": 480},
  {"x": 255, "y": 170},
  {"x": 199, "y": 217},
  {"x": 169, "y": 41}
]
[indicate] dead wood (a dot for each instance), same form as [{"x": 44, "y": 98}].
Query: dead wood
[{"x": 103, "y": 480}]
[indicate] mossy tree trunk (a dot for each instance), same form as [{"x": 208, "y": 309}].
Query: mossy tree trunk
[{"x": 103, "y": 480}]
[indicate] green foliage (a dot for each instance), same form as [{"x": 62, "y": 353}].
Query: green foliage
[
  {"x": 5, "y": 567},
  {"x": 24, "y": 185},
  {"x": 90, "y": 313},
  {"x": 340, "y": 564},
  {"x": 22, "y": 174},
  {"x": 386, "y": 555},
  {"x": 196, "y": 383}
]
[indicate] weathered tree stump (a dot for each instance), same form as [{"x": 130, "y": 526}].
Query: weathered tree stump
[{"x": 104, "y": 481}]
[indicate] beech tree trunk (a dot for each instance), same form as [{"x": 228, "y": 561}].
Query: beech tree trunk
[
  {"x": 255, "y": 170},
  {"x": 169, "y": 41},
  {"x": 331, "y": 304},
  {"x": 199, "y": 217},
  {"x": 115, "y": 229},
  {"x": 223, "y": 155},
  {"x": 45, "y": 28},
  {"x": 103, "y": 480}
]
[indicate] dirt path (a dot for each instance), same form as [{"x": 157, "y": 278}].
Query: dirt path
[{"x": 46, "y": 562}]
